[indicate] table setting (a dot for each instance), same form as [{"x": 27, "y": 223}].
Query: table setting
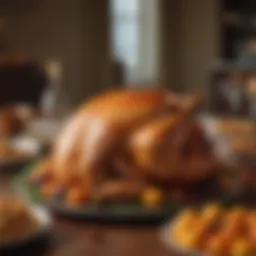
[{"x": 116, "y": 175}]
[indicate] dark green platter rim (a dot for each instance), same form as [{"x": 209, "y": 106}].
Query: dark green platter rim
[{"x": 114, "y": 212}]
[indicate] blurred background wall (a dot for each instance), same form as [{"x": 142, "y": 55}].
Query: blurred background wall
[
  {"x": 73, "y": 32},
  {"x": 178, "y": 40},
  {"x": 190, "y": 42}
]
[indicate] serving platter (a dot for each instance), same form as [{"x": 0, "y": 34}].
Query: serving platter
[
  {"x": 130, "y": 212},
  {"x": 115, "y": 212}
]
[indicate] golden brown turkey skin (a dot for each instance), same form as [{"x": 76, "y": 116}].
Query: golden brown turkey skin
[
  {"x": 168, "y": 149},
  {"x": 129, "y": 136},
  {"x": 92, "y": 133}
]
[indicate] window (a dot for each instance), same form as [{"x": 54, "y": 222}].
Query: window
[
  {"x": 126, "y": 31},
  {"x": 134, "y": 37}
]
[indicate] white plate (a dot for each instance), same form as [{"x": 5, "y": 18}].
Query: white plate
[
  {"x": 27, "y": 144},
  {"x": 45, "y": 225},
  {"x": 30, "y": 147}
]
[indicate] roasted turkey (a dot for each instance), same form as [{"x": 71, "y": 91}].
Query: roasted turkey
[{"x": 120, "y": 143}]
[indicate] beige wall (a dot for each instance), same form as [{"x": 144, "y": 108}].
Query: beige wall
[
  {"x": 200, "y": 40},
  {"x": 72, "y": 31},
  {"x": 76, "y": 33},
  {"x": 148, "y": 66},
  {"x": 190, "y": 42}
]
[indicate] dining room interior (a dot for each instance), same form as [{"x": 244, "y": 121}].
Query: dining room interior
[{"x": 127, "y": 127}]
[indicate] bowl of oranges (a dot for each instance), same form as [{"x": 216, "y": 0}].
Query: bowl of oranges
[{"x": 213, "y": 230}]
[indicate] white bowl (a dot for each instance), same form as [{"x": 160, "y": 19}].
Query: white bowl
[{"x": 45, "y": 224}]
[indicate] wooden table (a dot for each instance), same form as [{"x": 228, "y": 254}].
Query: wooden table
[
  {"x": 81, "y": 238},
  {"x": 90, "y": 239},
  {"x": 76, "y": 238}
]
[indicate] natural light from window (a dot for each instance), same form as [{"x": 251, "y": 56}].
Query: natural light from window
[{"x": 134, "y": 38}]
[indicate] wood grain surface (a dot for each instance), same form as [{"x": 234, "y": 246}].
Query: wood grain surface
[{"x": 74, "y": 238}]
